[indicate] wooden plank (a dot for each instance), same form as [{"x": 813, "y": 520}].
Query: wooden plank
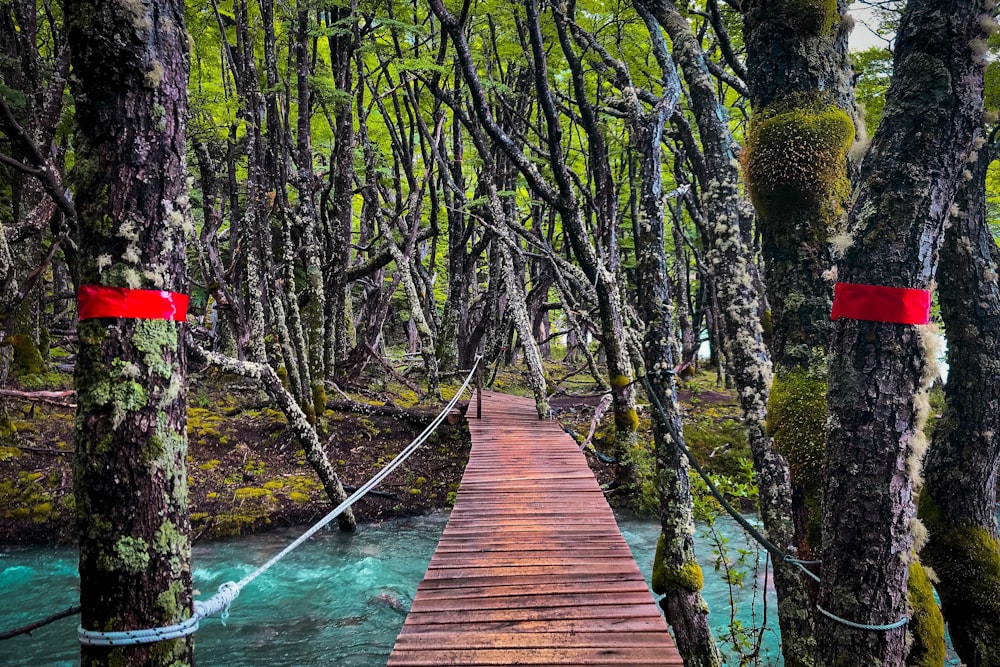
[
  {"x": 530, "y": 600},
  {"x": 534, "y": 656},
  {"x": 452, "y": 640},
  {"x": 531, "y": 568}
]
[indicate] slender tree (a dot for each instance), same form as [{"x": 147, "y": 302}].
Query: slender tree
[{"x": 729, "y": 261}]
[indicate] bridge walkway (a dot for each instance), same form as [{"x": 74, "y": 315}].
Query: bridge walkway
[{"x": 531, "y": 568}]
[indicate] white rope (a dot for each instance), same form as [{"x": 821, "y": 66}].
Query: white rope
[{"x": 230, "y": 590}]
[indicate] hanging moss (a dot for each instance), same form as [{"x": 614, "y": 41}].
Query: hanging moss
[
  {"x": 795, "y": 158},
  {"x": 27, "y": 358},
  {"x": 926, "y": 626},
  {"x": 967, "y": 561},
  {"x": 671, "y": 577},
  {"x": 796, "y": 421}
]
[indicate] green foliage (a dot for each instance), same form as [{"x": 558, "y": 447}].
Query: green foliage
[{"x": 873, "y": 70}]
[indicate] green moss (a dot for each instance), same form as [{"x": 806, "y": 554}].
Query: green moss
[
  {"x": 7, "y": 428},
  {"x": 319, "y": 399},
  {"x": 796, "y": 421},
  {"x": 9, "y": 453},
  {"x": 297, "y": 497},
  {"x": 811, "y": 17},
  {"x": 252, "y": 493},
  {"x": 414, "y": 492},
  {"x": 627, "y": 421},
  {"x": 926, "y": 624},
  {"x": 209, "y": 465},
  {"x": 169, "y": 542},
  {"x": 274, "y": 484},
  {"x": 282, "y": 374},
  {"x": 671, "y": 577},
  {"x": 795, "y": 159},
  {"x": 619, "y": 382},
  {"x": 154, "y": 338},
  {"x": 229, "y": 525},
  {"x": 967, "y": 562},
  {"x": 27, "y": 358}
]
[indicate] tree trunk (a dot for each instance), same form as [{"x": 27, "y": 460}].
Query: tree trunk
[
  {"x": 130, "y": 74},
  {"x": 746, "y": 355},
  {"x": 958, "y": 501},
  {"x": 879, "y": 372},
  {"x": 676, "y": 573}
]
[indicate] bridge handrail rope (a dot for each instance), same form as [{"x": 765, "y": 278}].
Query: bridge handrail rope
[
  {"x": 780, "y": 555},
  {"x": 228, "y": 591}
]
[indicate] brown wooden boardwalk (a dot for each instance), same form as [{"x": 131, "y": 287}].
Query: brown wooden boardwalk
[{"x": 531, "y": 568}]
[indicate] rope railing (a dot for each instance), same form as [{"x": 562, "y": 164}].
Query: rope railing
[
  {"x": 228, "y": 592},
  {"x": 780, "y": 555}
]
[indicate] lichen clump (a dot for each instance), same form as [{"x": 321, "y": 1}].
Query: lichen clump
[{"x": 795, "y": 157}]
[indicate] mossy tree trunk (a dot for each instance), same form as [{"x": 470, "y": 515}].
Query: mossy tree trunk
[
  {"x": 130, "y": 65},
  {"x": 729, "y": 261},
  {"x": 879, "y": 372},
  {"x": 958, "y": 501},
  {"x": 315, "y": 307},
  {"x": 296, "y": 394},
  {"x": 676, "y": 573},
  {"x": 796, "y": 171}
]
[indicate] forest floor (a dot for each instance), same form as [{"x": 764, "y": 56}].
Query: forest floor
[{"x": 246, "y": 473}]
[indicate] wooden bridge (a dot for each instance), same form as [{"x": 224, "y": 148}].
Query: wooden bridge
[{"x": 531, "y": 568}]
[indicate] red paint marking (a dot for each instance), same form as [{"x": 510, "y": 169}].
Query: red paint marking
[
  {"x": 896, "y": 305},
  {"x": 94, "y": 301}
]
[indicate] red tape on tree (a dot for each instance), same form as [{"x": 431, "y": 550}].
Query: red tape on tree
[
  {"x": 896, "y": 305},
  {"x": 95, "y": 301}
]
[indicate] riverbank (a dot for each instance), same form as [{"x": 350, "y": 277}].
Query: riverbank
[{"x": 247, "y": 474}]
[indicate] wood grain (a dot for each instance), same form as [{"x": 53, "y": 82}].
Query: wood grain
[{"x": 531, "y": 568}]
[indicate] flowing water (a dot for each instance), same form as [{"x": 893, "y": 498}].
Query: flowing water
[{"x": 337, "y": 600}]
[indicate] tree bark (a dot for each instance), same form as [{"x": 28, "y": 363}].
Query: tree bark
[
  {"x": 747, "y": 357},
  {"x": 879, "y": 372},
  {"x": 676, "y": 573},
  {"x": 958, "y": 501},
  {"x": 130, "y": 67}
]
